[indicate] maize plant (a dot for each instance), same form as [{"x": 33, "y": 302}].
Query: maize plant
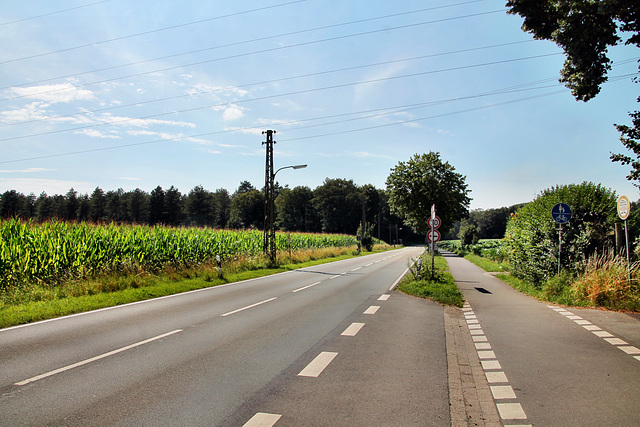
[{"x": 50, "y": 252}]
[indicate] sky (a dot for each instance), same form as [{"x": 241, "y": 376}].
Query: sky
[{"x": 121, "y": 94}]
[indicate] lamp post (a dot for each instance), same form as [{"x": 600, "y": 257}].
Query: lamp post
[{"x": 269, "y": 216}]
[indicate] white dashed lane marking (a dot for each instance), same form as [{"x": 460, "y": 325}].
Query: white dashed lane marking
[
  {"x": 372, "y": 310},
  {"x": 352, "y": 330},
  {"x": 317, "y": 365},
  {"x": 502, "y": 392},
  {"x": 597, "y": 331},
  {"x": 262, "y": 419}
]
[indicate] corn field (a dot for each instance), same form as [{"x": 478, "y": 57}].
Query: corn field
[{"x": 49, "y": 252}]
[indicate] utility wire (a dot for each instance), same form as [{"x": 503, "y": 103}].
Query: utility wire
[
  {"x": 152, "y": 31},
  {"x": 282, "y": 79},
  {"x": 260, "y": 51},
  {"x": 182, "y": 137},
  {"x": 53, "y": 13},
  {"x": 238, "y": 43},
  {"x": 338, "y": 86}
]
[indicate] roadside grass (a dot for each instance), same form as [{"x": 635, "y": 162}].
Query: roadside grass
[
  {"x": 440, "y": 288},
  {"x": 487, "y": 264},
  {"x": 38, "y": 303},
  {"x": 604, "y": 284}
]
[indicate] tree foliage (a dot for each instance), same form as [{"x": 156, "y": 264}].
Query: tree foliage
[
  {"x": 585, "y": 29},
  {"x": 533, "y": 236},
  {"x": 414, "y": 186}
]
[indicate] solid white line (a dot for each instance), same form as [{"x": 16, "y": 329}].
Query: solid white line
[
  {"x": 262, "y": 419},
  {"x": 248, "y": 307},
  {"x": 352, "y": 330},
  {"x": 306, "y": 287},
  {"x": 318, "y": 364},
  {"x": 93, "y": 359},
  {"x": 372, "y": 310},
  {"x": 399, "y": 279}
]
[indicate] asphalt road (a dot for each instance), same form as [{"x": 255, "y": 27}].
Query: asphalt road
[
  {"x": 207, "y": 357},
  {"x": 551, "y": 366}
]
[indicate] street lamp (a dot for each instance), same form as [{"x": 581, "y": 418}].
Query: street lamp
[{"x": 269, "y": 217}]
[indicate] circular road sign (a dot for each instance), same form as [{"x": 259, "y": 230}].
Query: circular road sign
[
  {"x": 561, "y": 213},
  {"x": 624, "y": 207},
  {"x": 433, "y": 236},
  {"x": 435, "y": 222}
]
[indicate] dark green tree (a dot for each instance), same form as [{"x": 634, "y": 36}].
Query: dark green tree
[
  {"x": 199, "y": 207},
  {"x": 247, "y": 210},
  {"x": 173, "y": 204},
  {"x": 157, "y": 212},
  {"x": 423, "y": 181},
  {"x": 338, "y": 203},
  {"x": 295, "y": 210},
  {"x": 221, "y": 200},
  {"x": 585, "y": 29},
  {"x": 98, "y": 203},
  {"x": 72, "y": 204},
  {"x": 11, "y": 204},
  {"x": 44, "y": 207}
]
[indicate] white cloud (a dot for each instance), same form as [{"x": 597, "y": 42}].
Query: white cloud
[
  {"x": 232, "y": 113},
  {"x": 128, "y": 178},
  {"x": 50, "y": 186},
  {"x": 64, "y": 92},
  {"x": 28, "y": 170},
  {"x": 97, "y": 134},
  {"x": 143, "y": 123},
  {"x": 34, "y": 111},
  {"x": 169, "y": 136}
]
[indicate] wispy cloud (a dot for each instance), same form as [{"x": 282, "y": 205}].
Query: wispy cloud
[
  {"x": 28, "y": 170},
  {"x": 94, "y": 133},
  {"x": 365, "y": 154},
  {"x": 63, "y": 92}
]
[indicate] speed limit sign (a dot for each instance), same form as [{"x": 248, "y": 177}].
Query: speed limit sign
[{"x": 434, "y": 222}]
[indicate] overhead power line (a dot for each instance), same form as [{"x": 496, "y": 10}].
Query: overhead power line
[
  {"x": 261, "y": 51},
  {"x": 53, "y": 13},
  {"x": 326, "y": 27},
  {"x": 152, "y": 31},
  {"x": 338, "y": 86},
  {"x": 183, "y": 137},
  {"x": 282, "y": 79}
]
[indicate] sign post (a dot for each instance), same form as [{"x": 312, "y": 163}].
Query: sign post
[
  {"x": 561, "y": 213},
  {"x": 433, "y": 236},
  {"x": 624, "y": 209}
]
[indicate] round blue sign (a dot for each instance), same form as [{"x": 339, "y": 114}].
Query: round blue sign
[{"x": 561, "y": 213}]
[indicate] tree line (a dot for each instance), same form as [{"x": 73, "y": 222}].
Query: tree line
[{"x": 336, "y": 206}]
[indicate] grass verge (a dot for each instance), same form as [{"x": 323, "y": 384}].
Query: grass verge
[
  {"x": 440, "y": 288},
  {"x": 56, "y": 302}
]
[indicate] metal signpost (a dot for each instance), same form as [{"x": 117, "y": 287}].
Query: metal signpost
[
  {"x": 561, "y": 213},
  {"x": 433, "y": 236},
  {"x": 624, "y": 209}
]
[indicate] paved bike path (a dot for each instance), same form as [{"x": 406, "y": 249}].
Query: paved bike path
[{"x": 548, "y": 365}]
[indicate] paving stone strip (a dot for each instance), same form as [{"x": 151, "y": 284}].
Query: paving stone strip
[{"x": 470, "y": 397}]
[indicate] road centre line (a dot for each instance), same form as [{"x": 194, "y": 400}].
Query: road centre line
[
  {"x": 306, "y": 287},
  {"x": 248, "y": 307},
  {"x": 93, "y": 359},
  {"x": 262, "y": 419},
  {"x": 317, "y": 365}
]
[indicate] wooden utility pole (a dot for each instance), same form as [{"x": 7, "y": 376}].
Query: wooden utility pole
[{"x": 269, "y": 211}]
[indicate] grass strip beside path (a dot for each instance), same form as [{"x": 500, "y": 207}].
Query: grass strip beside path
[{"x": 440, "y": 288}]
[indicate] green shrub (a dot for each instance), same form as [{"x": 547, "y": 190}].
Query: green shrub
[{"x": 532, "y": 236}]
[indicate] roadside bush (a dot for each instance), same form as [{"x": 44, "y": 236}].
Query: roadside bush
[{"x": 532, "y": 235}]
